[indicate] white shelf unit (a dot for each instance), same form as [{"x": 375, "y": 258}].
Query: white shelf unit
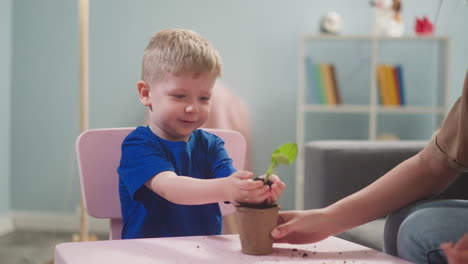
[{"x": 375, "y": 50}]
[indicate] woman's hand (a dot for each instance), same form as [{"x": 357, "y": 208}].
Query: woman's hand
[
  {"x": 457, "y": 253},
  {"x": 303, "y": 227}
]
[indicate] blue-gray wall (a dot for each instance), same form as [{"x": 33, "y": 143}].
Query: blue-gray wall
[
  {"x": 45, "y": 105},
  {"x": 258, "y": 41},
  {"x": 5, "y": 88}
]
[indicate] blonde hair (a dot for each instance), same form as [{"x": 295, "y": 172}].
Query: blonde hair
[{"x": 179, "y": 51}]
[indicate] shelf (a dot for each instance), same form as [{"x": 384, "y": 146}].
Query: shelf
[
  {"x": 411, "y": 109},
  {"x": 369, "y": 37},
  {"x": 355, "y": 60},
  {"x": 317, "y": 108},
  {"x": 337, "y": 108}
]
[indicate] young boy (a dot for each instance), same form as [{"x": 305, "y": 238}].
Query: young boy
[{"x": 172, "y": 175}]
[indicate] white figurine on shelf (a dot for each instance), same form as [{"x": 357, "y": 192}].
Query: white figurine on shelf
[
  {"x": 387, "y": 18},
  {"x": 331, "y": 23}
]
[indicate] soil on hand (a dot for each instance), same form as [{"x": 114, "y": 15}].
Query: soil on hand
[{"x": 265, "y": 204}]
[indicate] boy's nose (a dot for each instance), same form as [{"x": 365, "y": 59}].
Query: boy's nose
[{"x": 191, "y": 108}]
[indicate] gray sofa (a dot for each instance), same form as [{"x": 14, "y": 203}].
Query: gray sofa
[{"x": 335, "y": 169}]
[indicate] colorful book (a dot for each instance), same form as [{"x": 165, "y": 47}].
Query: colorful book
[
  {"x": 401, "y": 84},
  {"x": 397, "y": 85},
  {"x": 335, "y": 84},
  {"x": 320, "y": 86},
  {"x": 382, "y": 81},
  {"x": 392, "y": 90},
  {"x": 328, "y": 83}
]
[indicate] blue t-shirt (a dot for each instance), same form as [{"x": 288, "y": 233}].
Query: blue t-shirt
[{"x": 144, "y": 155}]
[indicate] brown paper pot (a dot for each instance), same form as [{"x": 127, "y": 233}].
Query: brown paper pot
[{"x": 255, "y": 226}]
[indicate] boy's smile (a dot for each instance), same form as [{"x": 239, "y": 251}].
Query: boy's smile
[{"x": 178, "y": 104}]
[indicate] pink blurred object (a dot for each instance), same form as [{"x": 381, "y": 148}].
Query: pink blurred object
[
  {"x": 423, "y": 26},
  {"x": 229, "y": 111}
]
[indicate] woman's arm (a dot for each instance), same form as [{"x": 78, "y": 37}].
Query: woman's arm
[
  {"x": 416, "y": 178},
  {"x": 419, "y": 177}
]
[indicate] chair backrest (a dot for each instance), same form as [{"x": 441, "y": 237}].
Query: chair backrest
[{"x": 98, "y": 155}]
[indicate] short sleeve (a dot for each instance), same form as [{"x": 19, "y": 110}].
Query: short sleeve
[
  {"x": 450, "y": 142},
  {"x": 140, "y": 161},
  {"x": 221, "y": 162}
]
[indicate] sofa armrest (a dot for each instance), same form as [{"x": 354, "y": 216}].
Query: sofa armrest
[{"x": 336, "y": 169}]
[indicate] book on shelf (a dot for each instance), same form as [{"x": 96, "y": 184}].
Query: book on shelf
[
  {"x": 322, "y": 82},
  {"x": 328, "y": 83},
  {"x": 391, "y": 84},
  {"x": 397, "y": 84},
  {"x": 401, "y": 84},
  {"x": 335, "y": 84},
  {"x": 382, "y": 83}
]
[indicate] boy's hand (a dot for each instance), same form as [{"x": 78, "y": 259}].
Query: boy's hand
[
  {"x": 457, "y": 253},
  {"x": 277, "y": 188},
  {"x": 240, "y": 188}
]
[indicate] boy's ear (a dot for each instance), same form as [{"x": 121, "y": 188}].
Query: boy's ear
[{"x": 144, "y": 93}]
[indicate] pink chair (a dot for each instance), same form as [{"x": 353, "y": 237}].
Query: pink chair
[{"x": 98, "y": 155}]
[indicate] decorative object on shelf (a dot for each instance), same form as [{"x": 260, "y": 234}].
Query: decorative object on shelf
[
  {"x": 423, "y": 26},
  {"x": 387, "y": 18},
  {"x": 331, "y": 23}
]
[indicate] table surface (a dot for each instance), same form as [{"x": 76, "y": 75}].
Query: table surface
[{"x": 214, "y": 249}]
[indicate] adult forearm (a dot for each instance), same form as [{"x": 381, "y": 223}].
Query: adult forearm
[{"x": 416, "y": 178}]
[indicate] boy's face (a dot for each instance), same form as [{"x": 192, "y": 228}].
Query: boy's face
[{"x": 178, "y": 104}]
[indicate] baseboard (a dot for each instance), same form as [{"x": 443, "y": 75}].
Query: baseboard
[
  {"x": 51, "y": 221},
  {"x": 6, "y": 224}
]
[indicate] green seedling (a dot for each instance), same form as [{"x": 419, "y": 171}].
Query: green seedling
[{"x": 284, "y": 154}]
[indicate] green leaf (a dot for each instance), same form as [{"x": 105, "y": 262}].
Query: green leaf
[{"x": 284, "y": 154}]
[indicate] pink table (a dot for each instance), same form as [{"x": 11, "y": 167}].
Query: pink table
[{"x": 223, "y": 249}]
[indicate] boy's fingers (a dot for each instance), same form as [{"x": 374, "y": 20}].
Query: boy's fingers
[
  {"x": 244, "y": 175},
  {"x": 251, "y": 185},
  {"x": 274, "y": 178},
  {"x": 256, "y": 192},
  {"x": 274, "y": 197},
  {"x": 278, "y": 186},
  {"x": 277, "y": 190}
]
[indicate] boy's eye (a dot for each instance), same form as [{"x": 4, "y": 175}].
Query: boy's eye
[
  {"x": 179, "y": 96},
  {"x": 205, "y": 98}
]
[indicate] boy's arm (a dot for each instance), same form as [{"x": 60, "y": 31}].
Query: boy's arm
[{"x": 237, "y": 187}]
